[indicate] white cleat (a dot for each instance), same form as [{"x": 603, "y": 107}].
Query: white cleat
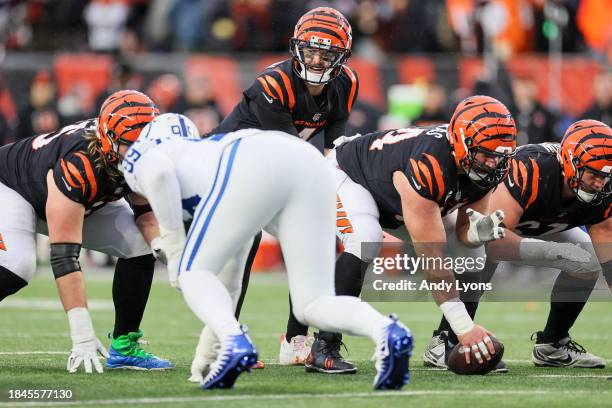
[
  {"x": 296, "y": 352},
  {"x": 564, "y": 353}
]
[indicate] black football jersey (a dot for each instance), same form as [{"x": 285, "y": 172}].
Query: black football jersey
[
  {"x": 423, "y": 154},
  {"x": 536, "y": 183},
  {"x": 24, "y": 166},
  {"x": 278, "y": 99}
]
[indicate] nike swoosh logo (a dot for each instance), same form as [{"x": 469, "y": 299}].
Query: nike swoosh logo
[
  {"x": 437, "y": 356},
  {"x": 270, "y": 100},
  {"x": 416, "y": 185},
  {"x": 66, "y": 184},
  {"x": 510, "y": 182}
]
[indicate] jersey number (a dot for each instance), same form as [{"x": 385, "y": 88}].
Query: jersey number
[
  {"x": 536, "y": 225},
  {"x": 45, "y": 139},
  {"x": 395, "y": 136}
]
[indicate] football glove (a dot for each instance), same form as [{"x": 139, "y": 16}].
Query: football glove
[
  {"x": 85, "y": 344},
  {"x": 484, "y": 228}
]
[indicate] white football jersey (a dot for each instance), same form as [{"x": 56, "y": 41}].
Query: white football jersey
[{"x": 170, "y": 143}]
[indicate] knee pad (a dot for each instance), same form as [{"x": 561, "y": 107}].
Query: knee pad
[{"x": 10, "y": 283}]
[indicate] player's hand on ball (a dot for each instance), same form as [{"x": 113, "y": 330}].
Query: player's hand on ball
[
  {"x": 477, "y": 344},
  {"x": 86, "y": 352},
  {"x": 484, "y": 228}
]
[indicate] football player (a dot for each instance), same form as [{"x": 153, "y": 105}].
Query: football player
[
  {"x": 290, "y": 192},
  {"x": 417, "y": 177},
  {"x": 553, "y": 190},
  {"x": 67, "y": 185},
  {"x": 310, "y": 93}
]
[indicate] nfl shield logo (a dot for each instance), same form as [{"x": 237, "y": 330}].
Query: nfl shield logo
[{"x": 316, "y": 117}]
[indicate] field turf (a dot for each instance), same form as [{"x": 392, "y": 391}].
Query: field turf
[{"x": 34, "y": 344}]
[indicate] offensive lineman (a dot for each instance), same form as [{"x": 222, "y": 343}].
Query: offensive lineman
[
  {"x": 417, "y": 177},
  {"x": 290, "y": 192},
  {"x": 310, "y": 93},
  {"x": 552, "y": 190},
  {"x": 66, "y": 185}
]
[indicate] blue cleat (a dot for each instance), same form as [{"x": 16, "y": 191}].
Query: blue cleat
[
  {"x": 238, "y": 355},
  {"x": 125, "y": 352},
  {"x": 393, "y": 353}
]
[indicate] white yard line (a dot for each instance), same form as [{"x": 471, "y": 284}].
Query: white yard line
[{"x": 259, "y": 397}]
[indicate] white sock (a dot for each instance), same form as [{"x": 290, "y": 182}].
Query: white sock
[
  {"x": 209, "y": 300},
  {"x": 346, "y": 314}
]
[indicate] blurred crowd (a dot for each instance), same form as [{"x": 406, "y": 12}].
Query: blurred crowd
[
  {"x": 397, "y": 26},
  {"x": 125, "y": 28}
]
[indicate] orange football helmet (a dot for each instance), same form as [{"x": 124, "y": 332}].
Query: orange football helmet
[
  {"x": 122, "y": 117},
  {"x": 325, "y": 31},
  {"x": 587, "y": 145},
  {"x": 481, "y": 124}
]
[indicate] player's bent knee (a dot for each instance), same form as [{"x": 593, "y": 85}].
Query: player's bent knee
[
  {"x": 10, "y": 283},
  {"x": 364, "y": 246}
]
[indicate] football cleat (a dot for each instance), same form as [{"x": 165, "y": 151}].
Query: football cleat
[
  {"x": 296, "y": 352},
  {"x": 392, "y": 357},
  {"x": 325, "y": 357},
  {"x": 438, "y": 349},
  {"x": 126, "y": 353},
  {"x": 238, "y": 354},
  {"x": 563, "y": 353}
]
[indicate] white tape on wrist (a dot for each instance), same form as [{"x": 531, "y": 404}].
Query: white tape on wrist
[
  {"x": 81, "y": 327},
  {"x": 457, "y": 316}
]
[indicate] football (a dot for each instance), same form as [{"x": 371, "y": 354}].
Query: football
[{"x": 457, "y": 364}]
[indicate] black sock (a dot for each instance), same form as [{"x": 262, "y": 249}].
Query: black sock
[
  {"x": 569, "y": 295},
  {"x": 10, "y": 283},
  {"x": 131, "y": 287},
  {"x": 294, "y": 328},
  {"x": 350, "y": 272},
  {"x": 247, "y": 273},
  {"x": 470, "y": 299}
]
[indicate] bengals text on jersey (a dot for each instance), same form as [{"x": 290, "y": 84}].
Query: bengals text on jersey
[
  {"x": 24, "y": 166},
  {"x": 279, "y": 100},
  {"x": 423, "y": 154},
  {"x": 536, "y": 183}
]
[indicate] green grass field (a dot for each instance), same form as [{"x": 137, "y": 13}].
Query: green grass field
[{"x": 33, "y": 321}]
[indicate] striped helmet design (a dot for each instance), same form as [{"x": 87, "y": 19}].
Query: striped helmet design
[
  {"x": 326, "y": 29},
  {"x": 122, "y": 117},
  {"x": 586, "y": 144},
  {"x": 482, "y": 124}
]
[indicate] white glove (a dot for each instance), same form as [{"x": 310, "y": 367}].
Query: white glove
[
  {"x": 158, "y": 251},
  {"x": 173, "y": 244},
  {"x": 85, "y": 344},
  {"x": 484, "y": 228},
  {"x": 206, "y": 353},
  {"x": 173, "y": 272}
]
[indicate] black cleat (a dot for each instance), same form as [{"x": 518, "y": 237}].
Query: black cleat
[{"x": 325, "y": 357}]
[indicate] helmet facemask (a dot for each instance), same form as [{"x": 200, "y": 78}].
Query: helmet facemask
[
  {"x": 330, "y": 63},
  {"x": 584, "y": 193},
  {"x": 483, "y": 176}
]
